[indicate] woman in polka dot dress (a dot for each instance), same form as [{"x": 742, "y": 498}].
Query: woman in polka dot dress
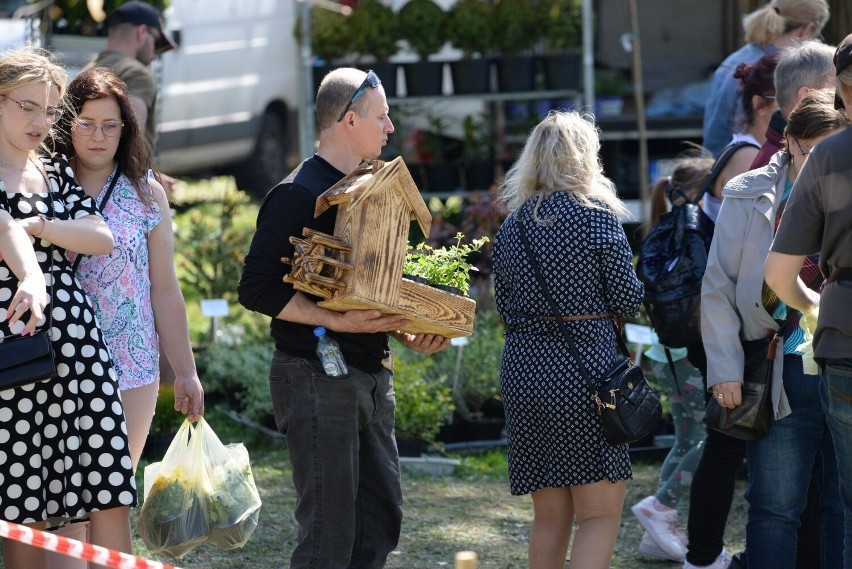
[
  {"x": 63, "y": 441},
  {"x": 557, "y": 451}
]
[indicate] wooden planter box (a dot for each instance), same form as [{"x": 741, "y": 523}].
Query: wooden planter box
[{"x": 360, "y": 266}]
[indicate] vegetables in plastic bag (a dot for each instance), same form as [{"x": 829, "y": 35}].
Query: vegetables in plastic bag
[
  {"x": 233, "y": 502},
  {"x": 202, "y": 490},
  {"x": 174, "y": 516}
]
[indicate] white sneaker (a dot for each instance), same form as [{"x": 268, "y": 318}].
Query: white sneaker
[
  {"x": 721, "y": 562},
  {"x": 661, "y": 527},
  {"x": 649, "y": 548}
]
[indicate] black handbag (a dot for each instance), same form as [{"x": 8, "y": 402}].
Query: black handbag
[
  {"x": 27, "y": 359},
  {"x": 628, "y": 407},
  {"x": 751, "y": 419}
]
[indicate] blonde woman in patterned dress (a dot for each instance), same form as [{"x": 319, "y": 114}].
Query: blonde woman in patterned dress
[
  {"x": 63, "y": 441},
  {"x": 557, "y": 451}
]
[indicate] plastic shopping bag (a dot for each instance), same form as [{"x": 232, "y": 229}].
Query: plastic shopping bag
[
  {"x": 233, "y": 501},
  {"x": 201, "y": 491},
  {"x": 174, "y": 514},
  {"x": 809, "y": 324}
]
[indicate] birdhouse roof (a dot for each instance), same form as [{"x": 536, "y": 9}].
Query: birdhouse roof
[{"x": 353, "y": 189}]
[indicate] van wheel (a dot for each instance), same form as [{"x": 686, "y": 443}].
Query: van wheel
[{"x": 268, "y": 163}]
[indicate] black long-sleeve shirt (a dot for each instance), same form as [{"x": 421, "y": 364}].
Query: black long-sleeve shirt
[{"x": 285, "y": 211}]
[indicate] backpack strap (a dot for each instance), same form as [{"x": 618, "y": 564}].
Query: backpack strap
[{"x": 717, "y": 167}]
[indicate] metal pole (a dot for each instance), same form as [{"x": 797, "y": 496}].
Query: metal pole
[
  {"x": 639, "y": 98},
  {"x": 307, "y": 132},
  {"x": 588, "y": 57}
]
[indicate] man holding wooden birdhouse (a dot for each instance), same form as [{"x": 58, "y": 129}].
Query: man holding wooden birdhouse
[{"x": 339, "y": 429}]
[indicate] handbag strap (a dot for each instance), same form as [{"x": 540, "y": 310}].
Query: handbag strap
[
  {"x": 51, "y": 211},
  {"x": 100, "y": 207},
  {"x": 575, "y": 353}
]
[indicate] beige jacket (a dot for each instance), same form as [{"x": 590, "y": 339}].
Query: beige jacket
[{"x": 731, "y": 307}]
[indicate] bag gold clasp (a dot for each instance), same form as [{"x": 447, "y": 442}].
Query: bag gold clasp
[{"x": 601, "y": 405}]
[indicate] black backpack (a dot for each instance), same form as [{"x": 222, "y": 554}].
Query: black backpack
[{"x": 671, "y": 264}]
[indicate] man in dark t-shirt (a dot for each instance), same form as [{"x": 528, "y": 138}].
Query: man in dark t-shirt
[
  {"x": 817, "y": 218},
  {"x": 339, "y": 429}
]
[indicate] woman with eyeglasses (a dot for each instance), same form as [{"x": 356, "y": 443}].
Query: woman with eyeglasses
[
  {"x": 134, "y": 288},
  {"x": 737, "y": 305},
  {"x": 65, "y": 454}
]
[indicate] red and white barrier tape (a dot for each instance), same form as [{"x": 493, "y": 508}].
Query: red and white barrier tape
[{"x": 77, "y": 549}]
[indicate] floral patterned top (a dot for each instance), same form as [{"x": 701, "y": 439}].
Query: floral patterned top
[{"x": 120, "y": 285}]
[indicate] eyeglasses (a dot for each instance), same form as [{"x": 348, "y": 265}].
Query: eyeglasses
[
  {"x": 372, "y": 80},
  {"x": 31, "y": 110},
  {"x": 802, "y": 150},
  {"x": 108, "y": 128}
]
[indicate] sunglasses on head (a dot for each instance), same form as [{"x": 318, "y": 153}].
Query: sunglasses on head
[{"x": 371, "y": 80}]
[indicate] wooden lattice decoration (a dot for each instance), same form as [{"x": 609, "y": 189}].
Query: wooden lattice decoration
[{"x": 317, "y": 263}]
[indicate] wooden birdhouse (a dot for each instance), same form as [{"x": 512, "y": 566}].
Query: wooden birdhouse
[{"x": 360, "y": 266}]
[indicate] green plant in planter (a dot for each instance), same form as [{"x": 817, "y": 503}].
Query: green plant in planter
[
  {"x": 447, "y": 266},
  {"x": 470, "y": 26},
  {"x": 423, "y": 402},
  {"x": 423, "y": 24},
  {"x": 435, "y": 144},
  {"x": 477, "y": 385},
  {"x": 477, "y": 139},
  {"x": 330, "y": 33},
  {"x": 609, "y": 83},
  {"x": 563, "y": 24},
  {"x": 517, "y": 25},
  {"x": 374, "y": 30}
]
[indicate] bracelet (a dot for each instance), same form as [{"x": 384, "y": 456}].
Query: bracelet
[{"x": 44, "y": 219}]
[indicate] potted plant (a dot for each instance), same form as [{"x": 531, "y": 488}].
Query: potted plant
[
  {"x": 330, "y": 41},
  {"x": 517, "y": 26},
  {"x": 477, "y": 159},
  {"x": 470, "y": 28},
  {"x": 423, "y": 25},
  {"x": 563, "y": 31},
  {"x": 609, "y": 93},
  {"x": 446, "y": 267},
  {"x": 375, "y": 33},
  {"x": 423, "y": 403},
  {"x": 440, "y": 155}
]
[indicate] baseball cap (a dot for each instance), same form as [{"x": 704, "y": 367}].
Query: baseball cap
[
  {"x": 842, "y": 60},
  {"x": 142, "y": 14}
]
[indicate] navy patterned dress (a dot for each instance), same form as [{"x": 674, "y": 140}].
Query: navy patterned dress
[{"x": 555, "y": 437}]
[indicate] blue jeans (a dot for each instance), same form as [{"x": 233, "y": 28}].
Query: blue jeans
[
  {"x": 345, "y": 463},
  {"x": 836, "y": 393},
  {"x": 780, "y": 467}
]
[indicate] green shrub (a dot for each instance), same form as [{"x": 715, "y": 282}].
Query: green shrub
[
  {"x": 329, "y": 34},
  {"x": 375, "y": 30},
  {"x": 470, "y": 26},
  {"x": 423, "y": 400},
  {"x": 237, "y": 377},
  {"x": 477, "y": 387},
  {"x": 563, "y": 24},
  {"x": 423, "y": 24},
  {"x": 517, "y": 25}
]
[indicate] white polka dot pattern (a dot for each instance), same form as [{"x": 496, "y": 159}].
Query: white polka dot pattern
[
  {"x": 62, "y": 433},
  {"x": 554, "y": 434}
]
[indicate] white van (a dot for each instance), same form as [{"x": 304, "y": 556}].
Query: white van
[{"x": 228, "y": 94}]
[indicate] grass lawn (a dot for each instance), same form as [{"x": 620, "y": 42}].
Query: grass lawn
[{"x": 470, "y": 510}]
